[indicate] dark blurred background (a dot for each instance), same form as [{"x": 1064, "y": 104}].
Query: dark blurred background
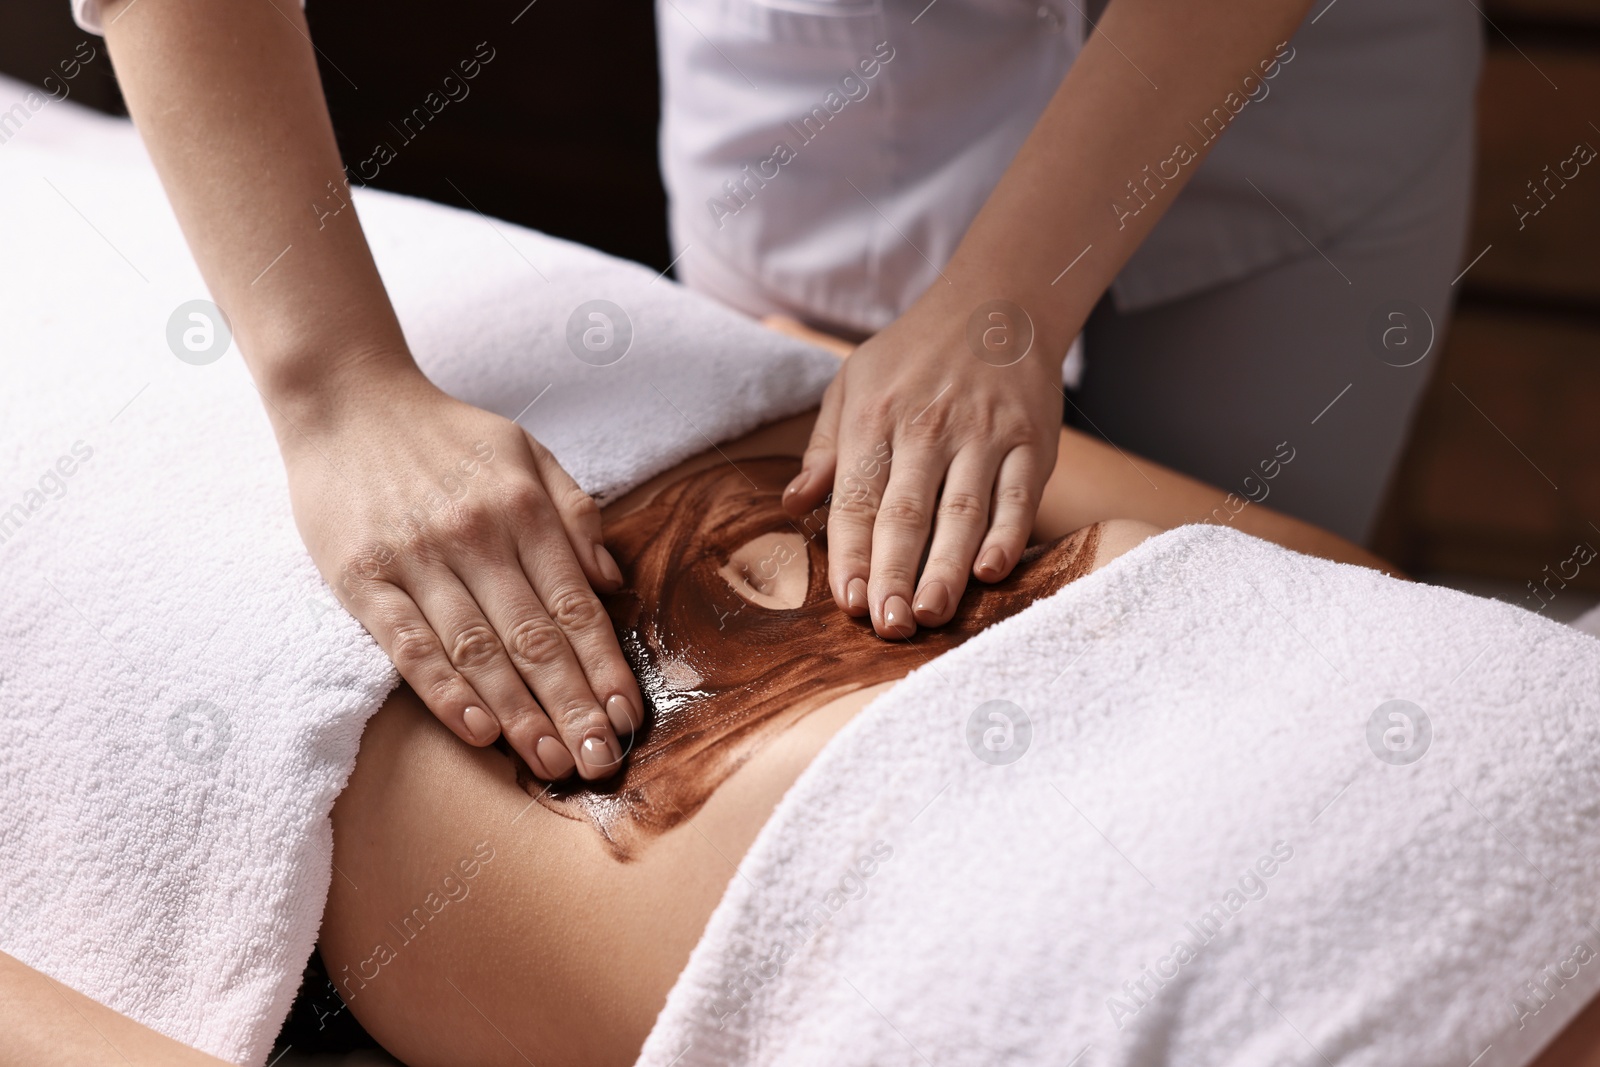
[
  {"x": 1525, "y": 344},
  {"x": 559, "y": 133}
]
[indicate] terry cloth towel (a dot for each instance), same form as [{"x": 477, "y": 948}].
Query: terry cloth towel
[
  {"x": 1217, "y": 803},
  {"x": 181, "y": 696}
]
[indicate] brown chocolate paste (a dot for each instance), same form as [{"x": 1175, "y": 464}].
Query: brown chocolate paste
[{"x": 721, "y": 674}]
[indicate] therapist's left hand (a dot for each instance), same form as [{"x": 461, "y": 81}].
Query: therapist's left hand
[{"x": 926, "y": 446}]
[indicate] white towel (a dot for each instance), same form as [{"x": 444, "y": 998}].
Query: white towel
[
  {"x": 1202, "y": 768},
  {"x": 181, "y": 696}
]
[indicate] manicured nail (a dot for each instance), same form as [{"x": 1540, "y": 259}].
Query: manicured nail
[
  {"x": 897, "y": 616},
  {"x": 932, "y": 601},
  {"x": 855, "y": 597},
  {"x": 993, "y": 563},
  {"x": 481, "y": 725},
  {"x": 624, "y": 720},
  {"x": 555, "y": 757},
  {"x": 799, "y": 482},
  {"x": 608, "y": 566},
  {"x": 599, "y": 755}
]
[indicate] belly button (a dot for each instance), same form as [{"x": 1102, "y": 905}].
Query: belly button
[{"x": 770, "y": 571}]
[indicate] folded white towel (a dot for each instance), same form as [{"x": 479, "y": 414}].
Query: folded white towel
[
  {"x": 181, "y": 697},
  {"x": 1216, "y": 847}
]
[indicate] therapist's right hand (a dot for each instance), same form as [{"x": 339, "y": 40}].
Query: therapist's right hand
[{"x": 470, "y": 555}]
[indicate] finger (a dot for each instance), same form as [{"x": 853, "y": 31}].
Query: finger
[
  {"x": 580, "y": 518},
  {"x": 858, "y": 485},
  {"x": 1017, "y": 492},
  {"x": 474, "y": 649},
  {"x": 538, "y": 649},
  {"x": 591, "y": 639},
  {"x": 818, "y": 464},
  {"x": 398, "y": 625},
  {"x": 958, "y": 530},
  {"x": 900, "y": 533}
]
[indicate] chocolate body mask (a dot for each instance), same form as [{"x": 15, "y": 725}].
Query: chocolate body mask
[{"x": 728, "y": 622}]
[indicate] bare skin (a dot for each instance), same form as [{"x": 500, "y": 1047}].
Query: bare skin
[
  {"x": 49, "y": 1025},
  {"x": 533, "y": 941},
  {"x": 525, "y": 958},
  {"x": 525, "y": 963}
]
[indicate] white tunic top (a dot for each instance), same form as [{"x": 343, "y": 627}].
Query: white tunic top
[{"x": 824, "y": 157}]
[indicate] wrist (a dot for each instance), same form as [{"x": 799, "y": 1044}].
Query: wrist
[
  {"x": 318, "y": 394},
  {"x": 1057, "y": 290},
  {"x": 985, "y": 306}
]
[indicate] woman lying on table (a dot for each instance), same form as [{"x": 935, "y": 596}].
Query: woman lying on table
[
  {"x": 502, "y": 919},
  {"x": 594, "y": 896}
]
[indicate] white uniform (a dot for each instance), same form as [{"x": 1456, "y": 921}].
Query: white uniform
[{"x": 824, "y": 157}]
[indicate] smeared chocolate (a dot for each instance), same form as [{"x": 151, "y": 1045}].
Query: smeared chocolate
[{"x": 719, "y": 673}]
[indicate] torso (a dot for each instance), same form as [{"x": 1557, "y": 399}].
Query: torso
[{"x": 551, "y": 950}]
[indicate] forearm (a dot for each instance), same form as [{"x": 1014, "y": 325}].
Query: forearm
[
  {"x": 483, "y": 597},
  {"x": 227, "y": 98},
  {"x": 1112, "y": 151},
  {"x": 48, "y": 1025}
]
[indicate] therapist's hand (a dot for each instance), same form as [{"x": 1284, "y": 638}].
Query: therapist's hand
[
  {"x": 452, "y": 536},
  {"x": 925, "y": 446},
  {"x": 469, "y": 554}
]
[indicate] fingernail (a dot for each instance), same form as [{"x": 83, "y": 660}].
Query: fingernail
[
  {"x": 932, "y": 601},
  {"x": 619, "y": 709},
  {"x": 555, "y": 757},
  {"x": 992, "y": 564},
  {"x": 897, "y": 616},
  {"x": 480, "y": 724},
  {"x": 599, "y": 755},
  {"x": 608, "y": 566},
  {"x": 798, "y": 483},
  {"x": 855, "y": 597}
]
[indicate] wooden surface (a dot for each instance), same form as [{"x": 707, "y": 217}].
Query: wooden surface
[
  {"x": 1535, "y": 107},
  {"x": 1502, "y": 473}
]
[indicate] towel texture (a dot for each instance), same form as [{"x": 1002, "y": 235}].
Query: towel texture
[
  {"x": 181, "y": 696},
  {"x": 1200, "y": 834}
]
